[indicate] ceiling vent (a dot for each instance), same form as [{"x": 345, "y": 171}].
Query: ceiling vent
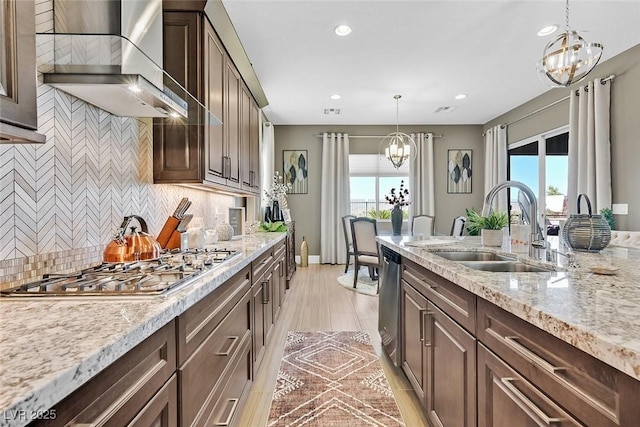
[
  {"x": 335, "y": 111},
  {"x": 444, "y": 109}
]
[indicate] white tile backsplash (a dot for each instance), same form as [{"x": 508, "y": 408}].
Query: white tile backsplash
[{"x": 66, "y": 198}]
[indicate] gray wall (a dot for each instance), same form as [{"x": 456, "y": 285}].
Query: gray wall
[
  {"x": 305, "y": 208},
  {"x": 625, "y": 127}
]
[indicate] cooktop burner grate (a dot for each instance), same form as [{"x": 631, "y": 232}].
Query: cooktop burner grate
[{"x": 157, "y": 277}]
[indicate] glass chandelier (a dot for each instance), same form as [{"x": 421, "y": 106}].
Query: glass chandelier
[
  {"x": 568, "y": 58},
  {"x": 397, "y": 145}
]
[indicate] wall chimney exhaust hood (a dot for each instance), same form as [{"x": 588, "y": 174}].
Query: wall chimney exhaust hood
[{"x": 106, "y": 52}]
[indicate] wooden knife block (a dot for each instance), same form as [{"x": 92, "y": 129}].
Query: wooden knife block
[{"x": 166, "y": 236}]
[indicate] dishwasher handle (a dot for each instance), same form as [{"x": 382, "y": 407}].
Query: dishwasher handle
[{"x": 390, "y": 255}]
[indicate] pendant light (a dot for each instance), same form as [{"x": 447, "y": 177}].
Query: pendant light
[
  {"x": 397, "y": 145},
  {"x": 568, "y": 58}
]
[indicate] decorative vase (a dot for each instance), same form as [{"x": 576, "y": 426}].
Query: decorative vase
[
  {"x": 267, "y": 214},
  {"x": 225, "y": 231},
  {"x": 276, "y": 213},
  {"x": 396, "y": 220},
  {"x": 304, "y": 253},
  {"x": 491, "y": 237}
]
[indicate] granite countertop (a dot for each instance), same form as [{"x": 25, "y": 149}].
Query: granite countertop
[
  {"x": 48, "y": 348},
  {"x": 599, "y": 314}
]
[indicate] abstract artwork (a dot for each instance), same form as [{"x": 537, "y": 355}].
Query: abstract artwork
[
  {"x": 295, "y": 165},
  {"x": 459, "y": 171}
]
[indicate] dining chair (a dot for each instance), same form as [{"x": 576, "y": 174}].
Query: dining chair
[
  {"x": 423, "y": 225},
  {"x": 366, "y": 251},
  {"x": 346, "y": 227},
  {"x": 457, "y": 227}
]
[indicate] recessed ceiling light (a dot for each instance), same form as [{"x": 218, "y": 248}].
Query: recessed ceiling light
[
  {"x": 342, "y": 30},
  {"x": 336, "y": 96},
  {"x": 461, "y": 96},
  {"x": 549, "y": 29}
]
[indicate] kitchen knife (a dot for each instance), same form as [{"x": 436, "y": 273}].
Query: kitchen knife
[
  {"x": 176, "y": 213},
  {"x": 184, "y": 208},
  {"x": 182, "y": 227}
]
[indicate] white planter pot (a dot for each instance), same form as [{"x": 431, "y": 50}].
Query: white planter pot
[{"x": 491, "y": 237}]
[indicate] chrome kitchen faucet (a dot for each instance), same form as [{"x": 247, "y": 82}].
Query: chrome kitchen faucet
[{"x": 537, "y": 242}]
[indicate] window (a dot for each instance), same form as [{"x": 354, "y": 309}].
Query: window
[
  {"x": 371, "y": 179},
  {"x": 542, "y": 163}
]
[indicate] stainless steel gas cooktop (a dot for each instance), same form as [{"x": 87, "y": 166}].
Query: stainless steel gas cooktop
[{"x": 158, "y": 277}]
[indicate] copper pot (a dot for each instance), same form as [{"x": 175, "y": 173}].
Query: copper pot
[{"x": 135, "y": 246}]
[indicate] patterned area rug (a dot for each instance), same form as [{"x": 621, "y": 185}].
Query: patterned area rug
[
  {"x": 364, "y": 286},
  {"x": 332, "y": 379}
]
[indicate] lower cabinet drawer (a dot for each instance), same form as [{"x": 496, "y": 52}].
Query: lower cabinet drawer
[
  {"x": 506, "y": 399},
  {"x": 595, "y": 393},
  {"x": 233, "y": 391},
  {"x": 201, "y": 375},
  {"x": 118, "y": 394}
]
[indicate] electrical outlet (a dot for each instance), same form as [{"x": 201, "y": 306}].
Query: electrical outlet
[{"x": 620, "y": 208}]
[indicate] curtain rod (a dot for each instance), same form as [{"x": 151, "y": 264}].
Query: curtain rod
[
  {"x": 369, "y": 136},
  {"x": 603, "y": 80}
]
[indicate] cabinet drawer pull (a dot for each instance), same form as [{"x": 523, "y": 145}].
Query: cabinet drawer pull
[
  {"x": 232, "y": 410},
  {"x": 281, "y": 268},
  {"x": 232, "y": 341},
  {"x": 519, "y": 398},
  {"x": 427, "y": 282},
  {"x": 512, "y": 341}
]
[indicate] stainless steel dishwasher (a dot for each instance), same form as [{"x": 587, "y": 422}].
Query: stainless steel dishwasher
[{"x": 388, "y": 309}]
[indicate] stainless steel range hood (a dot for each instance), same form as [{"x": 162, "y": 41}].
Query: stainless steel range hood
[{"x": 109, "y": 53}]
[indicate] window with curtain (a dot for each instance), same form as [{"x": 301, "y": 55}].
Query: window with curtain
[
  {"x": 371, "y": 179},
  {"x": 542, "y": 163}
]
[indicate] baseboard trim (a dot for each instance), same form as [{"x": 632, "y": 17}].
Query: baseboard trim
[{"x": 313, "y": 259}]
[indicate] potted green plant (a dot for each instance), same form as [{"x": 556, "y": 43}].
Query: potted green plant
[{"x": 489, "y": 227}]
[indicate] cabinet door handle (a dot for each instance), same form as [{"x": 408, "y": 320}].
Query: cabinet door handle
[
  {"x": 229, "y": 167},
  {"x": 520, "y": 399},
  {"x": 281, "y": 268},
  {"x": 422, "y": 312},
  {"x": 427, "y": 330},
  {"x": 230, "y": 411},
  {"x": 265, "y": 292},
  {"x": 231, "y": 341},
  {"x": 512, "y": 342}
]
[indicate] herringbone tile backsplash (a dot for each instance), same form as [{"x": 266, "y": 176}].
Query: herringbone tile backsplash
[{"x": 60, "y": 202}]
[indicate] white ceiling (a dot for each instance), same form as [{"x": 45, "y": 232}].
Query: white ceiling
[{"x": 427, "y": 51}]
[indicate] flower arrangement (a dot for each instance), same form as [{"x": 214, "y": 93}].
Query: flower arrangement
[
  {"x": 277, "y": 188},
  {"x": 399, "y": 199}
]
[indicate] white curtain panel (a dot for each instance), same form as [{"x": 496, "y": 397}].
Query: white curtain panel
[
  {"x": 267, "y": 159},
  {"x": 335, "y": 197},
  {"x": 422, "y": 177},
  {"x": 495, "y": 163},
  {"x": 590, "y": 146}
]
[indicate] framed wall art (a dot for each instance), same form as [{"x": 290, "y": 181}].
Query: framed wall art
[
  {"x": 294, "y": 165},
  {"x": 459, "y": 167}
]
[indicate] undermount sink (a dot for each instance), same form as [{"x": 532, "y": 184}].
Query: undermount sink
[
  {"x": 505, "y": 266},
  {"x": 472, "y": 256}
]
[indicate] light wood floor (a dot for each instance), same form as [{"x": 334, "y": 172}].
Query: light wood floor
[{"x": 316, "y": 302}]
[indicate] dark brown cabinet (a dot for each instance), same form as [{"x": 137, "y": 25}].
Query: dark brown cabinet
[
  {"x": 201, "y": 152},
  {"x": 438, "y": 354},
  {"x": 290, "y": 252},
  {"x": 505, "y": 399},
  {"x": 213, "y": 336},
  {"x": 18, "y": 100},
  {"x": 139, "y": 389},
  {"x": 588, "y": 390},
  {"x": 262, "y": 304}
]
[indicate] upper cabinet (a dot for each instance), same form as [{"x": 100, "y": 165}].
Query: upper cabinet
[
  {"x": 18, "y": 102},
  {"x": 219, "y": 156}
]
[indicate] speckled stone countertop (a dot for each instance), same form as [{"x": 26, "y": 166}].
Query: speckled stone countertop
[
  {"x": 599, "y": 314},
  {"x": 48, "y": 348}
]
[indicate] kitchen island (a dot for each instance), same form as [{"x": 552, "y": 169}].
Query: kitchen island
[
  {"x": 50, "y": 347},
  {"x": 549, "y": 345}
]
